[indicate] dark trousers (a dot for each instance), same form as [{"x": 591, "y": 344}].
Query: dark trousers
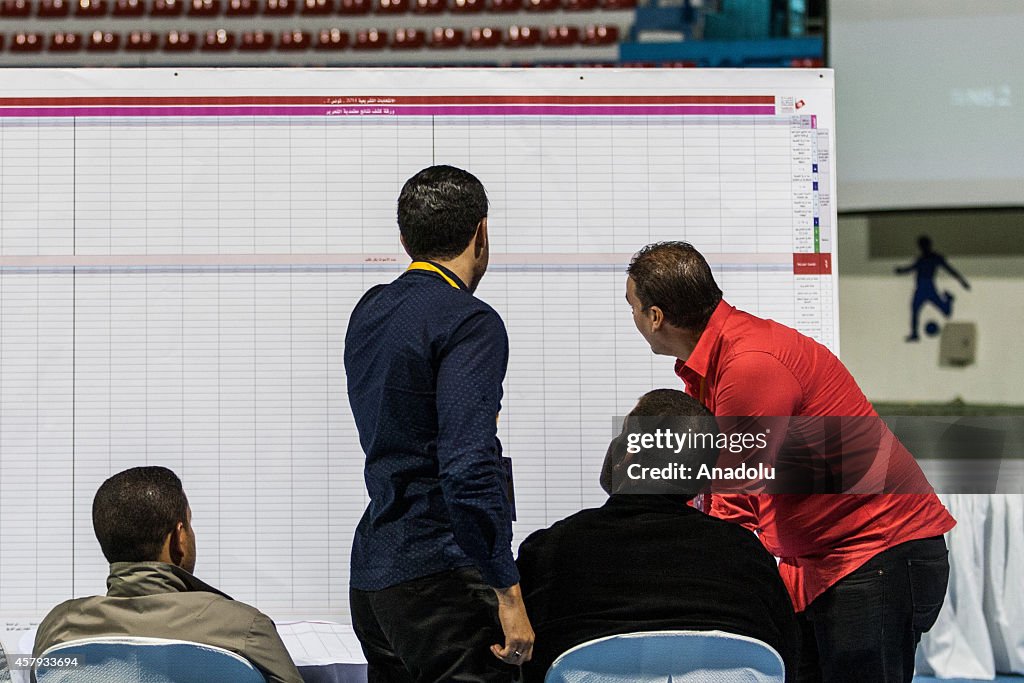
[
  {"x": 867, "y": 626},
  {"x": 438, "y": 628}
]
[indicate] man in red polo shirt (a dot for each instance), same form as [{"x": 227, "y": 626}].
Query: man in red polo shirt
[{"x": 868, "y": 573}]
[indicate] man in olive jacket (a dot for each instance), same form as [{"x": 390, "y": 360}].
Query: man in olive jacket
[{"x": 144, "y": 525}]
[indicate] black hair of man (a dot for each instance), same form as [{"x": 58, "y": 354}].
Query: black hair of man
[
  {"x": 676, "y": 278},
  {"x": 663, "y": 409},
  {"x": 135, "y": 510},
  {"x": 439, "y": 210}
]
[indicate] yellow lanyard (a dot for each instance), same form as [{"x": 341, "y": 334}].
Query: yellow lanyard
[{"x": 423, "y": 265}]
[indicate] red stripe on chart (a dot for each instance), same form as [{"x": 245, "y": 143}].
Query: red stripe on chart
[{"x": 387, "y": 100}]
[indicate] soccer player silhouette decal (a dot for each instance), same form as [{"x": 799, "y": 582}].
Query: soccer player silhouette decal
[{"x": 925, "y": 267}]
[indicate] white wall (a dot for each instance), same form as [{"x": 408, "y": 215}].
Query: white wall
[
  {"x": 927, "y": 92},
  {"x": 874, "y": 319}
]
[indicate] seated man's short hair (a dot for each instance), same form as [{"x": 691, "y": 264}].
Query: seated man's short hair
[{"x": 135, "y": 510}]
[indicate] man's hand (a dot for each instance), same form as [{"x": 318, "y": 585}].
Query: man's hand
[{"x": 516, "y": 626}]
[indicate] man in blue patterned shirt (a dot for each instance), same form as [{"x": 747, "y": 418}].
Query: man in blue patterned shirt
[{"x": 434, "y": 585}]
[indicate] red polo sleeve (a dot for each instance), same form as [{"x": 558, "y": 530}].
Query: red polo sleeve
[{"x": 754, "y": 384}]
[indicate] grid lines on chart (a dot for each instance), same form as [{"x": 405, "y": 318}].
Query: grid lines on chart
[{"x": 175, "y": 291}]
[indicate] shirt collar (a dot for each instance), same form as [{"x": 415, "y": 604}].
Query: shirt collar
[
  {"x": 135, "y": 579},
  {"x": 708, "y": 345},
  {"x": 458, "y": 281}
]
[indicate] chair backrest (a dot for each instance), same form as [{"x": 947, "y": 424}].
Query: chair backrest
[
  {"x": 669, "y": 657},
  {"x": 125, "y": 659}
]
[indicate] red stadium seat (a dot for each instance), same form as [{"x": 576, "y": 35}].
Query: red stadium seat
[
  {"x": 505, "y": 6},
  {"x": 370, "y": 39},
  {"x": 354, "y": 7},
  {"x": 129, "y": 8},
  {"x": 15, "y": 8},
  {"x": 446, "y": 38},
  {"x": 580, "y": 5},
  {"x": 318, "y": 7},
  {"x": 561, "y": 35},
  {"x": 484, "y": 37},
  {"x": 430, "y": 6},
  {"x": 1, "y": 42},
  {"x": 332, "y": 39},
  {"x": 242, "y": 8},
  {"x": 522, "y": 36},
  {"x": 220, "y": 40},
  {"x": 142, "y": 41},
  {"x": 180, "y": 41},
  {"x": 26, "y": 42},
  {"x": 618, "y": 4},
  {"x": 467, "y": 6},
  {"x": 204, "y": 8},
  {"x": 392, "y": 6},
  {"x": 103, "y": 41},
  {"x": 65, "y": 42},
  {"x": 166, "y": 8},
  {"x": 294, "y": 41},
  {"x": 542, "y": 5},
  {"x": 409, "y": 39},
  {"x": 91, "y": 8},
  {"x": 600, "y": 35},
  {"x": 256, "y": 41},
  {"x": 53, "y": 8},
  {"x": 279, "y": 8}
]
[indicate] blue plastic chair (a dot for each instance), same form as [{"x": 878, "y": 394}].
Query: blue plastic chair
[
  {"x": 125, "y": 659},
  {"x": 669, "y": 657}
]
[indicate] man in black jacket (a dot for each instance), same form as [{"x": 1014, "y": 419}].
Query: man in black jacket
[{"x": 646, "y": 560}]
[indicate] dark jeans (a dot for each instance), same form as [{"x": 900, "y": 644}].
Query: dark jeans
[
  {"x": 438, "y": 628},
  {"x": 867, "y": 626}
]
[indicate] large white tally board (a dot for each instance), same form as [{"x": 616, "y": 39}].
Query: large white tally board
[{"x": 180, "y": 251}]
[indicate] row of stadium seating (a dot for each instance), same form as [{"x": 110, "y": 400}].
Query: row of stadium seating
[
  {"x": 327, "y": 39},
  {"x": 310, "y": 32},
  {"x": 91, "y": 9}
]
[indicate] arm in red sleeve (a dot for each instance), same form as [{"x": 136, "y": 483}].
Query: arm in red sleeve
[
  {"x": 756, "y": 384},
  {"x": 761, "y": 392}
]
